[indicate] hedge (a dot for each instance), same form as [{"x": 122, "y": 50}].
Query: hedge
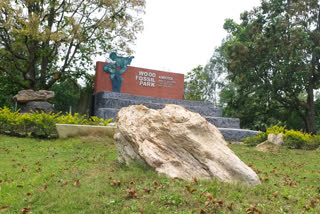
[
  {"x": 40, "y": 124},
  {"x": 292, "y": 139}
]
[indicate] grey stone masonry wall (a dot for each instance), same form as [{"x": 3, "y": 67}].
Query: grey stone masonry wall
[{"x": 107, "y": 104}]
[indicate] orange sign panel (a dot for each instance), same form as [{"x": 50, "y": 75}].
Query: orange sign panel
[{"x": 143, "y": 82}]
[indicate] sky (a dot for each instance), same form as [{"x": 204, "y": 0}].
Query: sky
[{"x": 179, "y": 35}]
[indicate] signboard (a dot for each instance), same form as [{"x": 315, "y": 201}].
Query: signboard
[{"x": 143, "y": 82}]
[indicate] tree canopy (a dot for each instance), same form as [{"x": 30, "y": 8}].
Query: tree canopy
[
  {"x": 274, "y": 54},
  {"x": 203, "y": 83},
  {"x": 270, "y": 63},
  {"x": 43, "y": 41}
]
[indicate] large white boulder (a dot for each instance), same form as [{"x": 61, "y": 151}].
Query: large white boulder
[{"x": 178, "y": 143}]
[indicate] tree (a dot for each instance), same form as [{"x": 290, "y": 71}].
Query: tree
[
  {"x": 67, "y": 93},
  {"x": 256, "y": 110},
  {"x": 204, "y": 83},
  {"x": 274, "y": 53},
  {"x": 43, "y": 41},
  {"x": 195, "y": 82},
  {"x": 7, "y": 90}
]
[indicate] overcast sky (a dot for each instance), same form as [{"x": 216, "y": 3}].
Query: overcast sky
[{"x": 179, "y": 35}]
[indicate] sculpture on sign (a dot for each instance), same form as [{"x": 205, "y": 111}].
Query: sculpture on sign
[{"x": 116, "y": 69}]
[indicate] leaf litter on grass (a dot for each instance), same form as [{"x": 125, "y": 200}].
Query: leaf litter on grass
[{"x": 290, "y": 181}]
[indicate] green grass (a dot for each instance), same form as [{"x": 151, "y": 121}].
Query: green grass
[{"x": 43, "y": 175}]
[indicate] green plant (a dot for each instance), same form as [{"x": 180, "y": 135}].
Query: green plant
[
  {"x": 40, "y": 124},
  {"x": 174, "y": 199},
  {"x": 259, "y": 138},
  {"x": 292, "y": 139}
]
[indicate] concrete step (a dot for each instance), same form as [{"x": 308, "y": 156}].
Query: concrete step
[
  {"x": 231, "y": 134},
  {"x": 107, "y": 94},
  {"x": 120, "y": 103},
  {"x": 107, "y": 113},
  {"x": 224, "y": 122}
]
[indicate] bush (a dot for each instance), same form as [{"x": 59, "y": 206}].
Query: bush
[
  {"x": 292, "y": 139},
  {"x": 41, "y": 124},
  {"x": 263, "y": 136},
  {"x": 259, "y": 138}
]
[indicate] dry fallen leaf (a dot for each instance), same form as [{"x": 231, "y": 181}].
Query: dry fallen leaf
[
  {"x": 230, "y": 207},
  {"x": 147, "y": 189},
  {"x": 4, "y": 208},
  {"x": 25, "y": 210},
  {"x": 116, "y": 183},
  {"x": 275, "y": 195},
  {"x": 252, "y": 210},
  {"x": 189, "y": 189},
  {"x": 157, "y": 185},
  {"x": 306, "y": 207},
  {"x": 76, "y": 183},
  {"x": 44, "y": 188},
  {"x": 64, "y": 184},
  {"x": 312, "y": 202},
  {"x": 202, "y": 211},
  {"x": 208, "y": 195},
  {"x": 132, "y": 193},
  {"x": 132, "y": 182},
  {"x": 195, "y": 180}
]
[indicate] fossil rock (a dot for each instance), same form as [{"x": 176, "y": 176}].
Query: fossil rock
[{"x": 178, "y": 143}]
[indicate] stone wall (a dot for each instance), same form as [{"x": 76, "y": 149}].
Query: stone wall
[{"x": 107, "y": 104}]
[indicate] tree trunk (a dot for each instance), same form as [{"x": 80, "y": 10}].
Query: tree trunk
[{"x": 310, "y": 116}]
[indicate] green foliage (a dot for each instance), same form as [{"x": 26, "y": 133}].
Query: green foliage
[
  {"x": 317, "y": 104},
  {"x": 194, "y": 84},
  {"x": 259, "y": 138},
  {"x": 292, "y": 139},
  {"x": 67, "y": 94},
  {"x": 41, "y": 124},
  {"x": 204, "y": 83},
  {"x": 272, "y": 59},
  {"x": 276, "y": 129},
  {"x": 7, "y": 90},
  {"x": 255, "y": 109},
  {"x": 46, "y": 41},
  {"x": 173, "y": 199}
]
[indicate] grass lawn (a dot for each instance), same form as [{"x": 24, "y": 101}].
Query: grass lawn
[{"x": 82, "y": 175}]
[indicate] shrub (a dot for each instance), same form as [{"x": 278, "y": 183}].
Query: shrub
[
  {"x": 292, "y": 139},
  {"x": 259, "y": 138},
  {"x": 263, "y": 136},
  {"x": 40, "y": 124}
]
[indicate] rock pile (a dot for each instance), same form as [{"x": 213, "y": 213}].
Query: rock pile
[{"x": 31, "y": 100}]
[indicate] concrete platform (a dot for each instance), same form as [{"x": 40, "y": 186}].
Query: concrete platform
[
  {"x": 72, "y": 130},
  {"x": 107, "y": 104},
  {"x": 224, "y": 122},
  {"x": 231, "y": 134}
]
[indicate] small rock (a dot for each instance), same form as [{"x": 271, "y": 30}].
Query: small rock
[
  {"x": 37, "y": 106},
  {"x": 271, "y": 137},
  {"x": 267, "y": 147},
  {"x": 276, "y": 139}
]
